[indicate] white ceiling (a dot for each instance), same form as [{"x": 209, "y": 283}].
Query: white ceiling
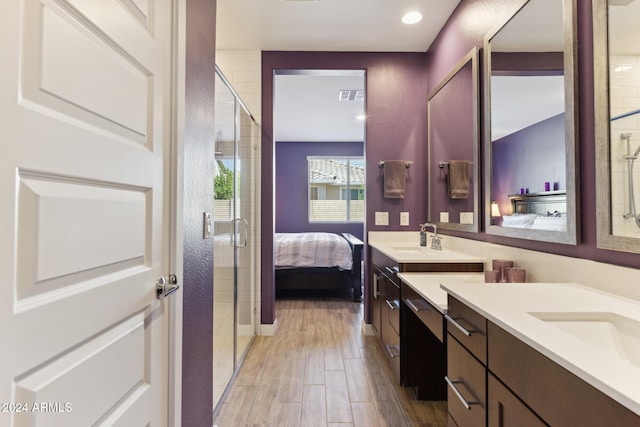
[
  {"x": 306, "y": 107},
  {"x": 329, "y": 25}
]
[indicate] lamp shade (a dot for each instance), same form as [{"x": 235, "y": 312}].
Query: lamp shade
[{"x": 495, "y": 210}]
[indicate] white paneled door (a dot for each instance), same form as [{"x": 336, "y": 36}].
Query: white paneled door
[{"x": 86, "y": 113}]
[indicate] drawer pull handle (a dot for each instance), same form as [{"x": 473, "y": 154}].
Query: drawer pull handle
[
  {"x": 391, "y": 353},
  {"x": 457, "y": 325},
  {"x": 457, "y": 392},
  {"x": 392, "y": 304},
  {"x": 415, "y": 308},
  {"x": 393, "y": 270}
]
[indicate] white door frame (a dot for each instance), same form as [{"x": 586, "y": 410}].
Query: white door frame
[{"x": 177, "y": 209}]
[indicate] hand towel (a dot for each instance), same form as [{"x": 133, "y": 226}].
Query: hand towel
[
  {"x": 458, "y": 179},
  {"x": 394, "y": 171}
]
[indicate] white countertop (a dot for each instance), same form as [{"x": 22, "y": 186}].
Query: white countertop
[
  {"x": 408, "y": 252},
  {"x": 427, "y": 285},
  {"x": 508, "y": 305}
]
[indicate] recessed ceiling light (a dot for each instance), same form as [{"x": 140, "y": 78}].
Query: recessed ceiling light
[{"x": 412, "y": 18}]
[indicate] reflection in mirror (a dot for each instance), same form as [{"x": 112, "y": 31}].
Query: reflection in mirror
[
  {"x": 452, "y": 117},
  {"x": 530, "y": 124},
  {"x": 617, "y": 111}
]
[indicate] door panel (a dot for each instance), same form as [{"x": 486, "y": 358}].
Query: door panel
[{"x": 85, "y": 100}]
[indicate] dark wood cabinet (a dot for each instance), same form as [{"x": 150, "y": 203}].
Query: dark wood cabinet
[
  {"x": 506, "y": 410},
  {"x": 500, "y": 381},
  {"x": 412, "y": 326},
  {"x": 556, "y": 395},
  {"x": 467, "y": 386},
  {"x": 424, "y": 353},
  {"x": 385, "y": 308}
]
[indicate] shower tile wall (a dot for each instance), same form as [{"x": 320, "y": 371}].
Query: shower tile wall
[{"x": 625, "y": 97}]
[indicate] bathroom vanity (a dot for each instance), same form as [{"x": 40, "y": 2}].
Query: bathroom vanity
[
  {"x": 388, "y": 259},
  {"x": 517, "y": 357}
]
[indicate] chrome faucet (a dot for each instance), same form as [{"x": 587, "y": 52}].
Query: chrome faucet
[{"x": 436, "y": 241}]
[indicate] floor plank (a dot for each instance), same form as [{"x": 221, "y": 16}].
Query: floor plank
[{"x": 319, "y": 370}]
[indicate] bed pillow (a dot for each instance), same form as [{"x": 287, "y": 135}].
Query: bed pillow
[{"x": 519, "y": 220}]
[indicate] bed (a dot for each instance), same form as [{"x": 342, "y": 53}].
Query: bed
[
  {"x": 314, "y": 260},
  {"x": 538, "y": 211}
]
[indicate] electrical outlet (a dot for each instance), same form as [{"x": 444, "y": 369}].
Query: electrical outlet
[
  {"x": 444, "y": 216},
  {"x": 382, "y": 218},
  {"x": 466, "y": 217},
  {"x": 404, "y": 218}
]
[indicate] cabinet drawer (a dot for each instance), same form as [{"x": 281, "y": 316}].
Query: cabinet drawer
[
  {"x": 393, "y": 350},
  {"x": 466, "y": 394},
  {"x": 506, "y": 410},
  {"x": 427, "y": 313},
  {"x": 469, "y": 327},
  {"x": 392, "y": 303}
]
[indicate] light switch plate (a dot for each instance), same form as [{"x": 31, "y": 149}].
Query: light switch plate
[
  {"x": 404, "y": 218},
  {"x": 382, "y": 218},
  {"x": 444, "y": 216},
  {"x": 466, "y": 217}
]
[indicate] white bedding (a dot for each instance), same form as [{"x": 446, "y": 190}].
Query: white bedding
[
  {"x": 535, "y": 222},
  {"x": 292, "y": 250}
]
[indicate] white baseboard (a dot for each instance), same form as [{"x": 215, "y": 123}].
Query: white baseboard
[
  {"x": 269, "y": 330},
  {"x": 368, "y": 329}
]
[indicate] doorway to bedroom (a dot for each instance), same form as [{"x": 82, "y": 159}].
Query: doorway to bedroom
[{"x": 319, "y": 122}]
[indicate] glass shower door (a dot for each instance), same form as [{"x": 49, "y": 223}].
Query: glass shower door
[
  {"x": 245, "y": 221},
  {"x": 223, "y": 251},
  {"x": 235, "y": 251}
]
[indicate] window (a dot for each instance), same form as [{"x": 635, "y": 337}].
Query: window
[{"x": 336, "y": 189}]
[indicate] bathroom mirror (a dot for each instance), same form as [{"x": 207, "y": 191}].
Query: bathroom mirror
[
  {"x": 452, "y": 159},
  {"x": 530, "y": 124},
  {"x": 617, "y": 122}
]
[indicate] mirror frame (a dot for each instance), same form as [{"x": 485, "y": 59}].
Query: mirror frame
[
  {"x": 472, "y": 58},
  {"x": 604, "y": 238},
  {"x": 570, "y": 236}
]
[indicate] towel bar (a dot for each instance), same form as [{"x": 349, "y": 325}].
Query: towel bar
[
  {"x": 407, "y": 164},
  {"x": 442, "y": 164}
]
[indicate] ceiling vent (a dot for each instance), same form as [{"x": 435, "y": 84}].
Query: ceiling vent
[{"x": 351, "y": 95}]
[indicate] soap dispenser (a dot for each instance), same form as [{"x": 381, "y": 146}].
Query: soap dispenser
[{"x": 423, "y": 235}]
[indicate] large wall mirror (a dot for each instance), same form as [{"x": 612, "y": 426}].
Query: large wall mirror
[
  {"x": 452, "y": 117},
  {"x": 617, "y": 114},
  {"x": 530, "y": 124}
]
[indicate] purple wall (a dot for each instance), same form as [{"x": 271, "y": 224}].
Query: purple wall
[
  {"x": 291, "y": 185},
  {"x": 538, "y": 155},
  {"x": 197, "y": 354},
  {"x": 465, "y": 29},
  {"x": 396, "y": 129}
]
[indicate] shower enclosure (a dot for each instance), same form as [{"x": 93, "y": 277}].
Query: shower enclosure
[
  {"x": 234, "y": 234},
  {"x": 625, "y": 177}
]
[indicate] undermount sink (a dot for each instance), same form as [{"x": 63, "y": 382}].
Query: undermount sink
[
  {"x": 611, "y": 332},
  {"x": 408, "y": 248}
]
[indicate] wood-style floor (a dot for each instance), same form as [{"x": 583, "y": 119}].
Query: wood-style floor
[{"x": 320, "y": 370}]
